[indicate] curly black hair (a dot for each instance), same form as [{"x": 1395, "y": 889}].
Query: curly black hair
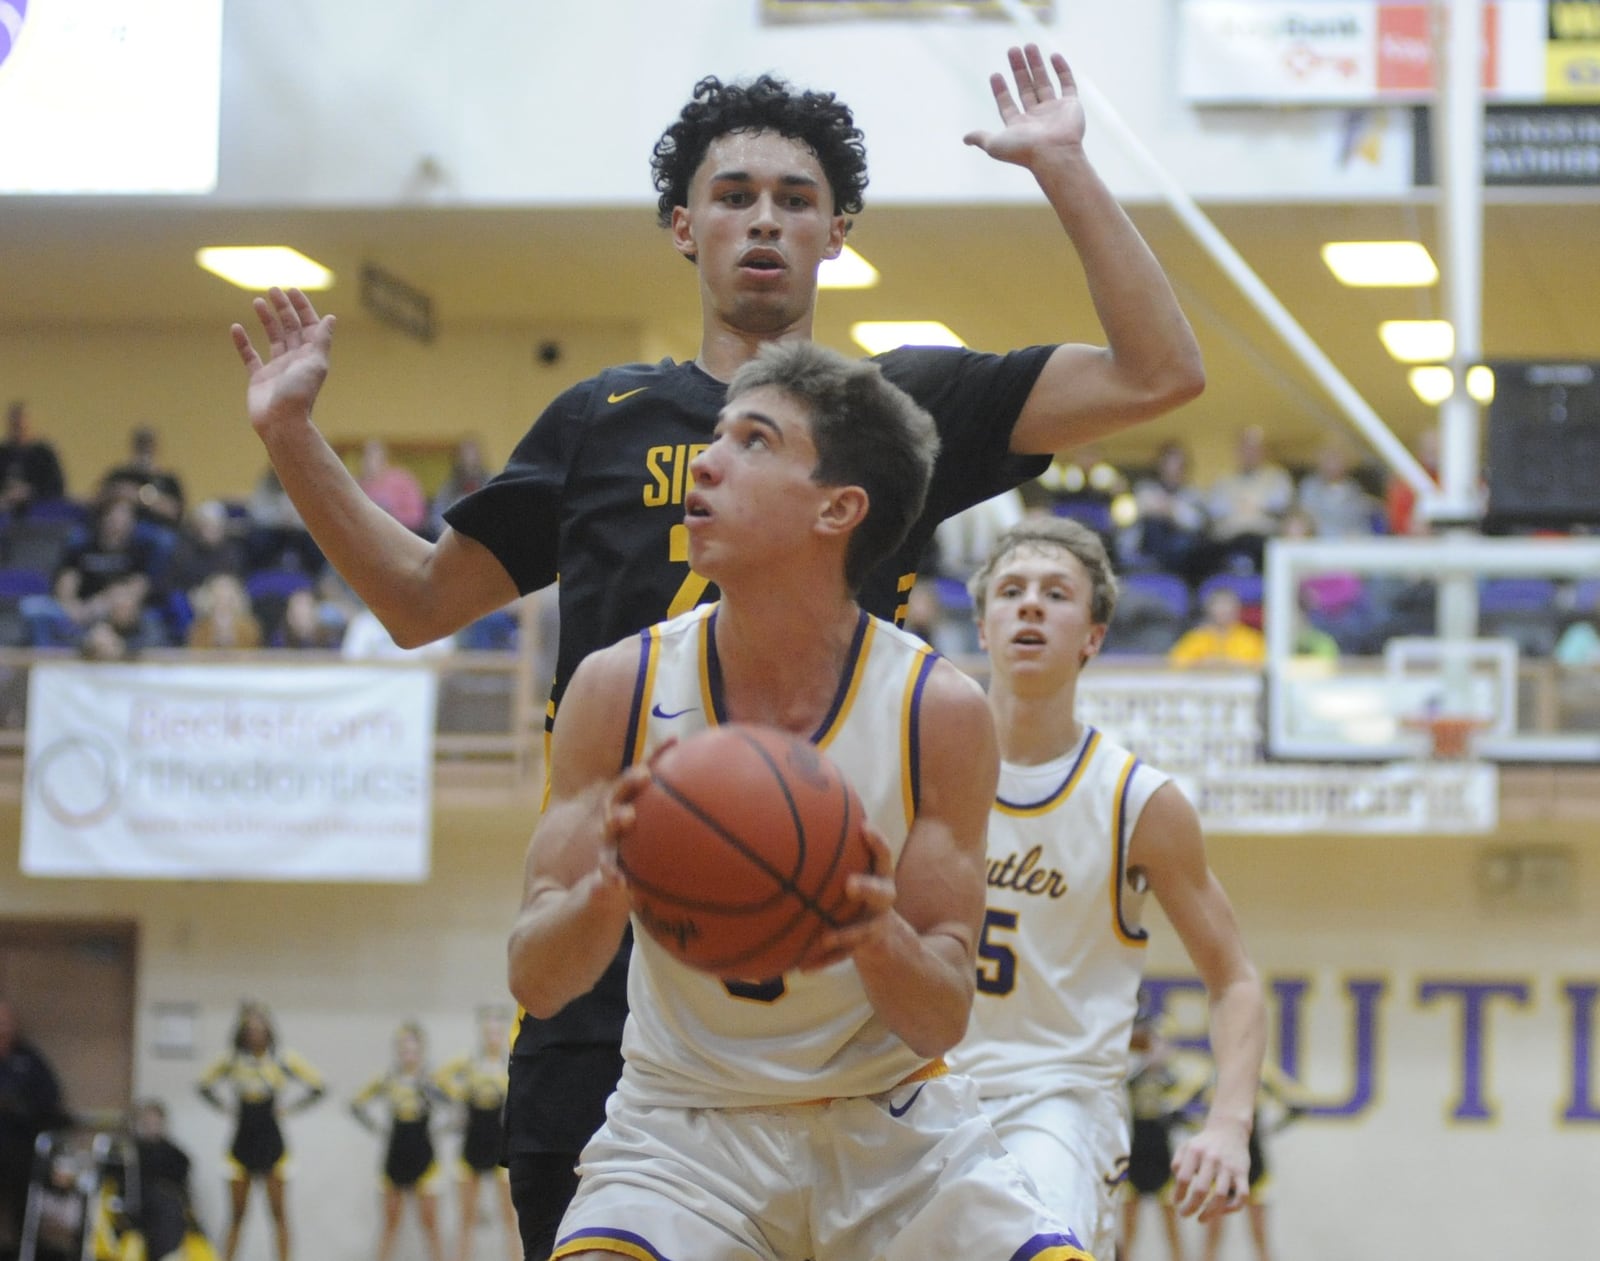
[{"x": 817, "y": 119}]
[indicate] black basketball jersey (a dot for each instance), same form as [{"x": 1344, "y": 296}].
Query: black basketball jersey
[{"x": 594, "y": 494}]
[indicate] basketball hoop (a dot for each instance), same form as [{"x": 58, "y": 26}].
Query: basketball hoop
[{"x": 1450, "y": 735}]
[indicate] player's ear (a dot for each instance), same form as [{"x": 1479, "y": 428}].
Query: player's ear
[
  {"x": 683, "y": 233},
  {"x": 983, "y": 637},
  {"x": 836, "y": 234},
  {"x": 1097, "y": 638},
  {"x": 844, "y": 509}
]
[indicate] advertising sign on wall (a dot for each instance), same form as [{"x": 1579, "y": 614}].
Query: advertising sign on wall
[{"x": 224, "y": 772}]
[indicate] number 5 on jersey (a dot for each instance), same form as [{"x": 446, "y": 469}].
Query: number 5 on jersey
[{"x": 997, "y": 962}]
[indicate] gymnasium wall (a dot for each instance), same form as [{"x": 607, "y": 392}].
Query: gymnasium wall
[
  {"x": 1449, "y": 1042},
  {"x": 1447, "y": 1038},
  {"x": 340, "y": 966}
]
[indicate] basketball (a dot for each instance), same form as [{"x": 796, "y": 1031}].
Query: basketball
[{"x": 744, "y": 839}]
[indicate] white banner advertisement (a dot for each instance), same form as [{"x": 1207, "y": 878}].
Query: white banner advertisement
[
  {"x": 1206, "y": 731},
  {"x": 1349, "y": 52},
  {"x": 225, "y": 772}
]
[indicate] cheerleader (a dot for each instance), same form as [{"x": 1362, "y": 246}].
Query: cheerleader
[
  {"x": 260, "y": 1084},
  {"x": 407, "y": 1095}
]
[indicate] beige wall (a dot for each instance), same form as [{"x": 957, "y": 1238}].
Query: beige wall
[
  {"x": 90, "y": 385},
  {"x": 1407, "y": 1176},
  {"x": 339, "y": 965}
]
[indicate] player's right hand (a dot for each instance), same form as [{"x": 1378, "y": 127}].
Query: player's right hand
[{"x": 285, "y": 384}]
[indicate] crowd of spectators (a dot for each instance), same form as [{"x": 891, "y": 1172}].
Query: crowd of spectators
[
  {"x": 1192, "y": 556},
  {"x": 133, "y": 565}
]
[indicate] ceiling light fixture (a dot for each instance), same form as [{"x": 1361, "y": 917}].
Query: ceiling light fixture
[
  {"x": 1433, "y": 383},
  {"x": 259, "y": 267},
  {"x": 1418, "y": 341},
  {"x": 1381, "y": 264},
  {"x": 848, "y": 271},
  {"x": 878, "y": 336}
]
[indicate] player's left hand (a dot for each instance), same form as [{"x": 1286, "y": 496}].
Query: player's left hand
[
  {"x": 1212, "y": 1172},
  {"x": 1039, "y": 119},
  {"x": 872, "y": 896}
]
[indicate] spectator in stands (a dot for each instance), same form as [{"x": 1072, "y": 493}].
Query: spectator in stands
[
  {"x": 126, "y": 627},
  {"x": 1399, "y": 500},
  {"x": 1338, "y": 504},
  {"x": 1221, "y": 638},
  {"x": 393, "y": 487},
  {"x": 1246, "y": 506},
  {"x": 206, "y": 546},
  {"x": 278, "y": 537},
  {"x": 1081, "y": 484},
  {"x": 1171, "y": 529},
  {"x": 30, "y": 471},
  {"x": 1578, "y": 648},
  {"x": 1336, "y": 603},
  {"x": 223, "y": 617},
  {"x": 310, "y": 623},
  {"x": 962, "y": 543},
  {"x": 366, "y": 637},
  {"x": 156, "y": 492},
  {"x": 467, "y": 473},
  {"x": 115, "y": 552}
]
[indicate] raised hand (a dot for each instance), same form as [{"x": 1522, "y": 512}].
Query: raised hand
[
  {"x": 1039, "y": 119},
  {"x": 286, "y": 383}
]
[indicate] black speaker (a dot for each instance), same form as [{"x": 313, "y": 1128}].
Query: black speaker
[{"x": 1543, "y": 458}]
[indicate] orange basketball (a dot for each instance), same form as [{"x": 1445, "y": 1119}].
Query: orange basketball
[{"x": 744, "y": 839}]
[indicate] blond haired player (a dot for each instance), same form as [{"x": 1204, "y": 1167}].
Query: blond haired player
[{"x": 1080, "y": 833}]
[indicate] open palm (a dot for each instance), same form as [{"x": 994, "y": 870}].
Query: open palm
[
  {"x": 1038, "y": 118},
  {"x": 285, "y": 384}
]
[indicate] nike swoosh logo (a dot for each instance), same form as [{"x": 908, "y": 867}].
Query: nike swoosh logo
[
  {"x": 661, "y": 713},
  {"x": 906, "y": 1106},
  {"x": 617, "y": 398}
]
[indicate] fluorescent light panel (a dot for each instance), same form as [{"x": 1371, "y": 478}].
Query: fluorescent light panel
[
  {"x": 848, "y": 271},
  {"x": 1433, "y": 383},
  {"x": 1418, "y": 341},
  {"x": 258, "y": 267},
  {"x": 877, "y": 336},
  {"x": 1381, "y": 264}
]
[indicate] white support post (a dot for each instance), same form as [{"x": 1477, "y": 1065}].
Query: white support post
[{"x": 1458, "y": 140}]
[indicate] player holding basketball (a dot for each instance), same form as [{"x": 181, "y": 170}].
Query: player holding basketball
[
  {"x": 1075, "y": 817},
  {"x": 757, "y": 182},
  {"x": 808, "y": 1115}
]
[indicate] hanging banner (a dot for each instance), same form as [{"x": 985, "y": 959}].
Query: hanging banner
[
  {"x": 776, "y": 11},
  {"x": 1346, "y": 52},
  {"x": 1572, "y": 54},
  {"x": 1527, "y": 145},
  {"x": 224, "y": 772}
]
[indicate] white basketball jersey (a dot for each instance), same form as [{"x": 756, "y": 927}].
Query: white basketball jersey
[
  {"x": 696, "y": 1041},
  {"x": 1062, "y": 950}
]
